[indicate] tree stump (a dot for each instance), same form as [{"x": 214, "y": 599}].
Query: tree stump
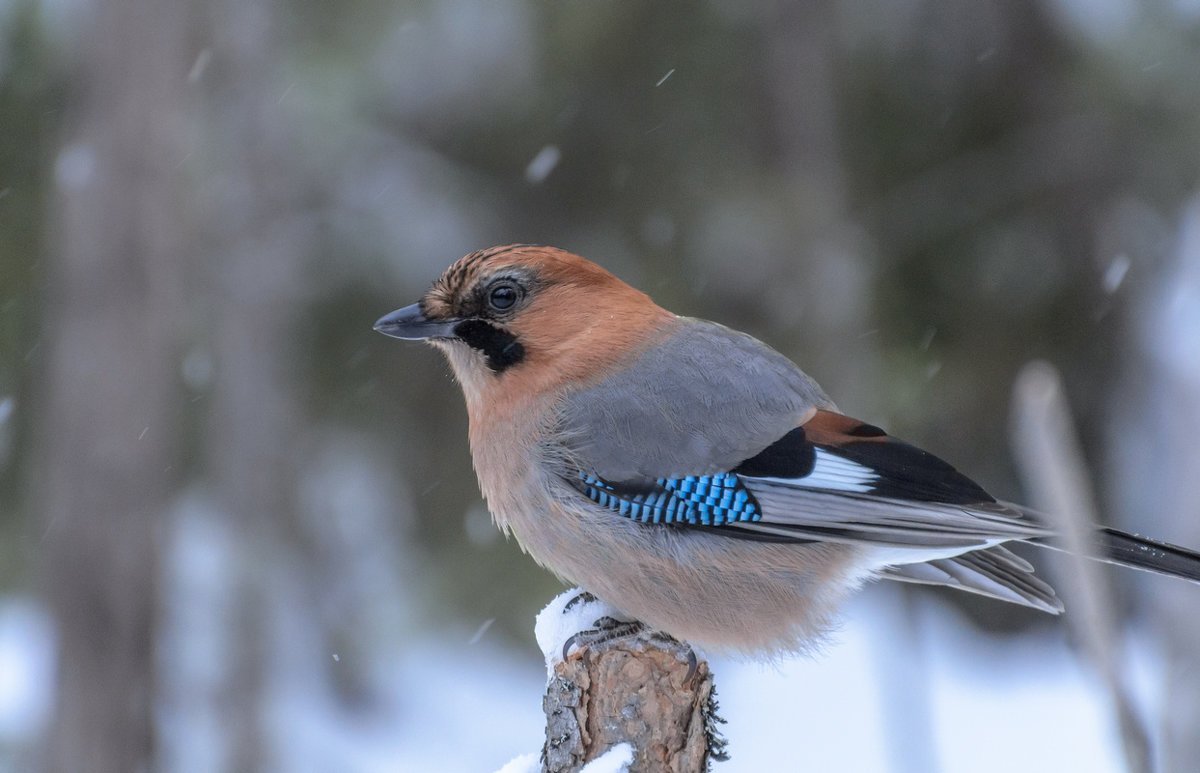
[{"x": 648, "y": 691}]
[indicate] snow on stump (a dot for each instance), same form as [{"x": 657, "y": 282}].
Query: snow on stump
[{"x": 646, "y": 690}]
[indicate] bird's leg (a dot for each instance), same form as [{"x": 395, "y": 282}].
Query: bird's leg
[{"x": 606, "y": 629}]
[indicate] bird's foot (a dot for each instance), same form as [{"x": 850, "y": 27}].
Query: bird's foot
[
  {"x": 609, "y": 629},
  {"x": 606, "y": 629}
]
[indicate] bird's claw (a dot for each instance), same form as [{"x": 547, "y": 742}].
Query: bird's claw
[{"x": 693, "y": 661}]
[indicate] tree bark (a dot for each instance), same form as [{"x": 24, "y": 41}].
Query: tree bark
[
  {"x": 1051, "y": 463},
  {"x": 646, "y": 692},
  {"x": 254, "y": 283},
  {"x": 108, "y": 430}
]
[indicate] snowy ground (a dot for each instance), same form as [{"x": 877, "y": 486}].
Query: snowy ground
[
  {"x": 877, "y": 698},
  {"x": 924, "y": 694}
]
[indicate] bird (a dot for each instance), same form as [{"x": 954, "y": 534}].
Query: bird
[{"x": 693, "y": 477}]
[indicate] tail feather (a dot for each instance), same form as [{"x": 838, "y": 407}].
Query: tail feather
[{"x": 1144, "y": 553}]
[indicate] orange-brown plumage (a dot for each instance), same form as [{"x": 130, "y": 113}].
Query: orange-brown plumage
[{"x": 581, "y": 321}]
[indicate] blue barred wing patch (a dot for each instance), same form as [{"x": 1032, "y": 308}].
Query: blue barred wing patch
[{"x": 697, "y": 500}]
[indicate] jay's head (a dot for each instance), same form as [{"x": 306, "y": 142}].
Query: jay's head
[{"x": 527, "y": 309}]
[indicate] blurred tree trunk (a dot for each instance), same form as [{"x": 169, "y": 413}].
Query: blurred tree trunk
[
  {"x": 801, "y": 67},
  {"x": 830, "y": 271},
  {"x": 1157, "y": 455},
  {"x": 109, "y": 424},
  {"x": 253, "y": 443}
]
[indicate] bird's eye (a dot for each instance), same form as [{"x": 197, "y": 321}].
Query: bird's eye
[{"x": 503, "y": 296}]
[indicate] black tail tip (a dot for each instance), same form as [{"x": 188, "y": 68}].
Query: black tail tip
[{"x": 1149, "y": 554}]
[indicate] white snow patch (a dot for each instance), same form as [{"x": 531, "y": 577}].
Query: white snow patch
[
  {"x": 555, "y": 624},
  {"x": 615, "y": 760},
  {"x": 27, "y": 652},
  {"x": 526, "y": 763}
]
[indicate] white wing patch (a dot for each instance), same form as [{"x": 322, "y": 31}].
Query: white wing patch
[
  {"x": 886, "y": 555},
  {"x": 833, "y": 473}
]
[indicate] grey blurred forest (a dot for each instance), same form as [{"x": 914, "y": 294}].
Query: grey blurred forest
[{"x": 239, "y": 531}]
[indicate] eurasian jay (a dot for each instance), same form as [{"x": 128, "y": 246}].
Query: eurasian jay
[{"x": 693, "y": 477}]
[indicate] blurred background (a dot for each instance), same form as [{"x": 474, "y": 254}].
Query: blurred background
[{"x": 239, "y": 531}]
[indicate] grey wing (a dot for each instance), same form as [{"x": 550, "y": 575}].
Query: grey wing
[
  {"x": 995, "y": 572},
  {"x": 700, "y": 402}
]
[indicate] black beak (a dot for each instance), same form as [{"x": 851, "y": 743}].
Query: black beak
[{"x": 411, "y": 325}]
